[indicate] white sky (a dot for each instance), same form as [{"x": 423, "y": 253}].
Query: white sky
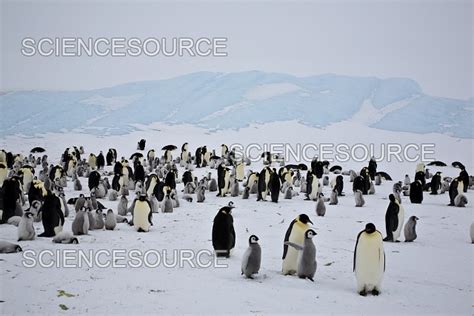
[{"x": 428, "y": 41}]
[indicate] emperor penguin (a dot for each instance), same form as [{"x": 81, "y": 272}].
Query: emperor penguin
[
  {"x": 223, "y": 233},
  {"x": 246, "y": 193},
  {"x": 320, "y": 206},
  {"x": 92, "y": 161},
  {"x": 407, "y": 180},
  {"x": 435, "y": 183},
  {"x": 142, "y": 214},
  {"x": 26, "y": 230},
  {"x": 212, "y": 185},
  {"x": 113, "y": 195},
  {"x": 416, "y": 192},
  {"x": 223, "y": 179},
  {"x": 295, "y": 234},
  {"x": 263, "y": 181},
  {"x": 51, "y": 215},
  {"x": 65, "y": 238},
  {"x": 252, "y": 258},
  {"x": 392, "y": 223},
  {"x": 369, "y": 261},
  {"x": 122, "y": 207},
  {"x": 184, "y": 155},
  {"x": 333, "y": 200},
  {"x": 274, "y": 186},
  {"x": 167, "y": 204},
  {"x": 289, "y": 193},
  {"x": 200, "y": 194},
  {"x": 80, "y": 225},
  {"x": 8, "y": 247},
  {"x": 110, "y": 220},
  {"x": 460, "y": 200},
  {"x": 306, "y": 266},
  {"x": 234, "y": 189},
  {"x": 99, "y": 219},
  {"x": 359, "y": 198},
  {"x": 80, "y": 202},
  {"x": 410, "y": 229}
]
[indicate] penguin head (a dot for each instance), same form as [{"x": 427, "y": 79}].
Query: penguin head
[
  {"x": 231, "y": 204},
  {"x": 309, "y": 234},
  {"x": 142, "y": 197},
  {"x": 304, "y": 219},
  {"x": 253, "y": 239},
  {"x": 370, "y": 228},
  {"x": 18, "y": 249},
  {"x": 109, "y": 211},
  {"x": 391, "y": 198},
  {"x": 98, "y": 211},
  {"x": 414, "y": 218},
  {"x": 28, "y": 215}
]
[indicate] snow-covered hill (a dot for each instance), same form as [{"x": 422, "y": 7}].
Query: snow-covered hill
[{"x": 235, "y": 100}]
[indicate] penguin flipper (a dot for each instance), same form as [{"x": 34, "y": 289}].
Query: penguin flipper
[
  {"x": 287, "y": 238},
  {"x": 296, "y": 246}
]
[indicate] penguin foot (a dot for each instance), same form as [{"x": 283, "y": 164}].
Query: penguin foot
[
  {"x": 397, "y": 241},
  {"x": 388, "y": 239},
  {"x": 375, "y": 292},
  {"x": 363, "y": 293},
  {"x": 311, "y": 279}
]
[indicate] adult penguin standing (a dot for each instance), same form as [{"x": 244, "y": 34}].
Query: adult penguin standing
[
  {"x": 372, "y": 168},
  {"x": 223, "y": 233},
  {"x": 391, "y": 218},
  {"x": 274, "y": 186}
]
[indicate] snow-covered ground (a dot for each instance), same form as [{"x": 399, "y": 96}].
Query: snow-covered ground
[{"x": 432, "y": 275}]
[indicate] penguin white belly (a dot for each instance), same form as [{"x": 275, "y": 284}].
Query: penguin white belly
[
  {"x": 57, "y": 174},
  {"x": 401, "y": 218},
  {"x": 288, "y": 178},
  {"x": 314, "y": 189},
  {"x": 27, "y": 179},
  {"x": 239, "y": 173},
  {"x": 460, "y": 187},
  {"x": 369, "y": 262},
  {"x": 151, "y": 188},
  {"x": 3, "y": 175},
  {"x": 267, "y": 180},
  {"x": 290, "y": 263},
  {"x": 226, "y": 183},
  {"x": 140, "y": 216}
]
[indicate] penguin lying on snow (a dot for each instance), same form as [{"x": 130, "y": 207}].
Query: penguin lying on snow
[
  {"x": 65, "y": 238},
  {"x": 8, "y": 247}
]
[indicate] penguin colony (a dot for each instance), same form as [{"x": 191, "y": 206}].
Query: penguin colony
[{"x": 32, "y": 191}]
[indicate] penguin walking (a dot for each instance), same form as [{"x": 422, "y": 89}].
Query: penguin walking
[
  {"x": 320, "y": 206},
  {"x": 110, "y": 220},
  {"x": 26, "y": 230},
  {"x": 223, "y": 233},
  {"x": 252, "y": 258},
  {"x": 369, "y": 261},
  {"x": 359, "y": 198},
  {"x": 410, "y": 229},
  {"x": 295, "y": 234},
  {"x": 306, "y": 267},
  {"x": 142, "y": 214},
  {"x": 392, "y": 219}
]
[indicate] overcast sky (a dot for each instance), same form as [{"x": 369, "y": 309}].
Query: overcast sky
[{"x": 428, "y": 41}]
